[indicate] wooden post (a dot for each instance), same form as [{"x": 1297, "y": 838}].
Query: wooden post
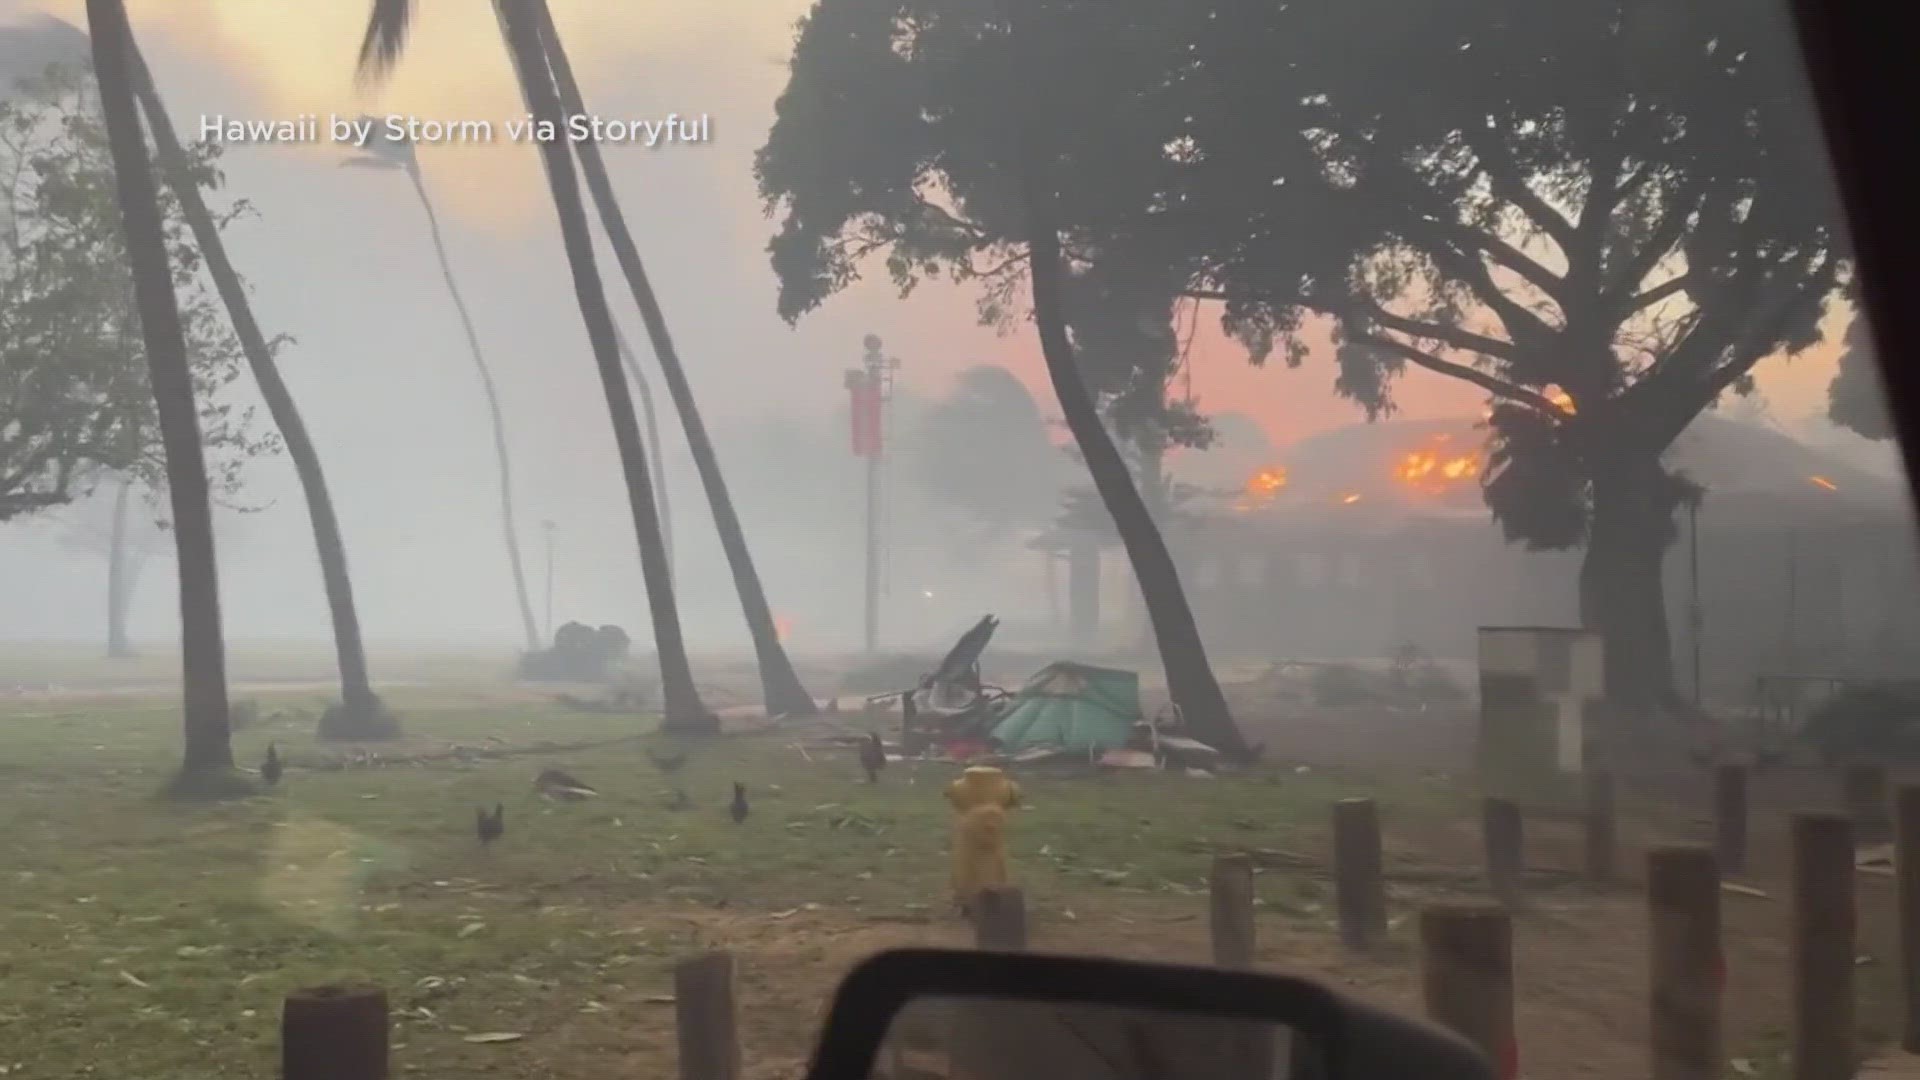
[
  {"x": 334, "y": 1033},
  {"x": 1864, "y": 790},
  {"x": 1501, "y": 830},
  {"x": 1467, "y": 976},
  {"x": 1821, "y": 977},
  {"x": 704, "y": 1012},
  {"x": 1686, "y": 969},
  {"x": 1906, "y": 862},
  {"x": 1601, "y": 831},
  {"x": 1000, "y": 919},
  {"x": 1231, "y": 908},
  {"x": 1730, "y": 818},
  {"x": 1359, "y": 892}
]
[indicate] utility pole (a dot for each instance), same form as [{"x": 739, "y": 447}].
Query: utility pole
[
  {"x": 549, "y": 526},
  {"x": 870, "y": 386}
]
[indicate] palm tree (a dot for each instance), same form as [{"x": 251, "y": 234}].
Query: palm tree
[
  {"x": 207, "y": 763},
  {"x": 1190, "y": 679},
  {"x": 386, "y": 153},
  {"x": 653, "y": 443},
  {"x": 779, "y": 683},
  {"x": 360, "y": 714},
  {"x": 385, "y": 34}
]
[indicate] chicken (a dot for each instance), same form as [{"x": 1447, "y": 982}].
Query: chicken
[
  {"x": 270, "y": 767},
  {"x": 873, "y": 757},
  {"x": 490, "y": 827},
  {"x": 666, "y": 763},
  {"x": 739, "y": 807}
]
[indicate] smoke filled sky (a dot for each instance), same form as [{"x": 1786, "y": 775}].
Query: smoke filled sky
[{"x": 340, "y": 259}]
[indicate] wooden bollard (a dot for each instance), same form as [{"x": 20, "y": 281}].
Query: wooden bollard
[
  {"x": 1231, "y": 907},
  {"x": 1000, "y": 919},
  {"x": 1467, "y": 978},
  {"x": 1502, "y": 833},
  {"x": 1730, "y": 818},
  {"x": 704, "y": 1010},
  {"x": 1864, "y": 792},
  {"x": 1359, "y": 893},
  {"x": 1906, "y": 863},
  {"x": 1685, "y": 969},
  {"x": 334, "y": 1033},
  {"x": 1601, "y": 832},
  {"x": 1822, "y": 920}
]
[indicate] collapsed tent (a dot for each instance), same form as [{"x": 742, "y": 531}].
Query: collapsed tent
[{"x": 1075, "y": 706}]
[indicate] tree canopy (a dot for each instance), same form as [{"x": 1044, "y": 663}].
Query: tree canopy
[
  {"x": 984, "y": 449},
  {"x": 1602, "y": 213},
  {"x": 1855, "y": 399},
  {"x": 75, "y": 401}
]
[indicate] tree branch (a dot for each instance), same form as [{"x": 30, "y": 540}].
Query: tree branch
[
  {"x": 1490, "y": 383},
  {"x": 1673, "y": 285},
  {"x": 1507, "y": 185},
  {"x": 1457, "y": 337}
]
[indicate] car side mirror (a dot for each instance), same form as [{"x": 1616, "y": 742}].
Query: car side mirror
[{"x": 937, "y": 1014}]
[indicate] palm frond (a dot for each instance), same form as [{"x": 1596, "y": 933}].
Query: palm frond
[{"x": 387, "y": 25}]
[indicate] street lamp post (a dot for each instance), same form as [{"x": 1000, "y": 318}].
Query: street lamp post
[{"x": 870, "y": 387}]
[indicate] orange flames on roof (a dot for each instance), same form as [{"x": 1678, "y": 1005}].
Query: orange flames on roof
[
  {"x": 1349, "y": 500},
  {"x": 1822, "y": 481},
  {"x": 1434, "y": 469},
  {"x": 1261, "y": 487}
]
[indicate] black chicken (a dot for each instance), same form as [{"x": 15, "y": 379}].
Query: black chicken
[
  {"x": 490, "y": 827},
  {"x": 270, "y": 767},
  {"x": 873, "y": 757},
  {"x": 666, "y": 763},
  {"x": 739, "y": 807}
]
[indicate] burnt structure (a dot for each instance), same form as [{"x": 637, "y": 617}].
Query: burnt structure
[{"x": 1377, "y": 538}]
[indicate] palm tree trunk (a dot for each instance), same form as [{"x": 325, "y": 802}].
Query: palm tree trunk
[
  {"x": 653, "y": 444},
  {"x": 685, "y": 713},
  {"x": 208, "y": 753},
  {"x": 118, "y": 579},
  {"x": 780, "y": 684},
  {"x": 1190, "y": 680},
  {"x": 508, "y": 528},
  {"x": 360, "y": 715}
]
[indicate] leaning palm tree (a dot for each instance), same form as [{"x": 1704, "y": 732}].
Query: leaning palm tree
[
  {"x": 520, "y": 26},
  {"x": 207, "y": 763},
  {"x": 784, "y": 694},
  {"x": 653, "y": 443},
  {"x": 359, "y": 714},
  {"x": 779, "y": 683},
  {"x": 388, "y": 153}
]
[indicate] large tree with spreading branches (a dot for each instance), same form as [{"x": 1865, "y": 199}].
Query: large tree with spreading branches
[{"x": 1603, "y": 214}]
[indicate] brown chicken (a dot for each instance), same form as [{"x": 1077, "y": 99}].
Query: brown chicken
[{"x": 873, "y": 757}]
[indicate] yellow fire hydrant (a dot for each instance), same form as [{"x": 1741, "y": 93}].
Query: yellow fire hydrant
[{"x": 980, "y": 799}]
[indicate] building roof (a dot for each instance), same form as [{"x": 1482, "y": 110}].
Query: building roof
[{"x": 1381, "y": 474}]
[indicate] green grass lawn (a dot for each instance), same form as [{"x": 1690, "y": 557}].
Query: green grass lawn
[{"x": 153, "y": 940}]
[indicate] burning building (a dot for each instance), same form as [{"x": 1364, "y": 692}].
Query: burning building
[{"x": 1377, "y": 537}]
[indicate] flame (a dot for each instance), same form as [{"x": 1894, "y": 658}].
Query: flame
[
  {"x": 1432, "y": 469},
  {"x": 1349, "y": 500},
  {"x": 1824, "y": 482},
  {"x": 1260, "y": 488},
  {"x": 782, "y": 627},
  {"x": 1561, "y": 398}
]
